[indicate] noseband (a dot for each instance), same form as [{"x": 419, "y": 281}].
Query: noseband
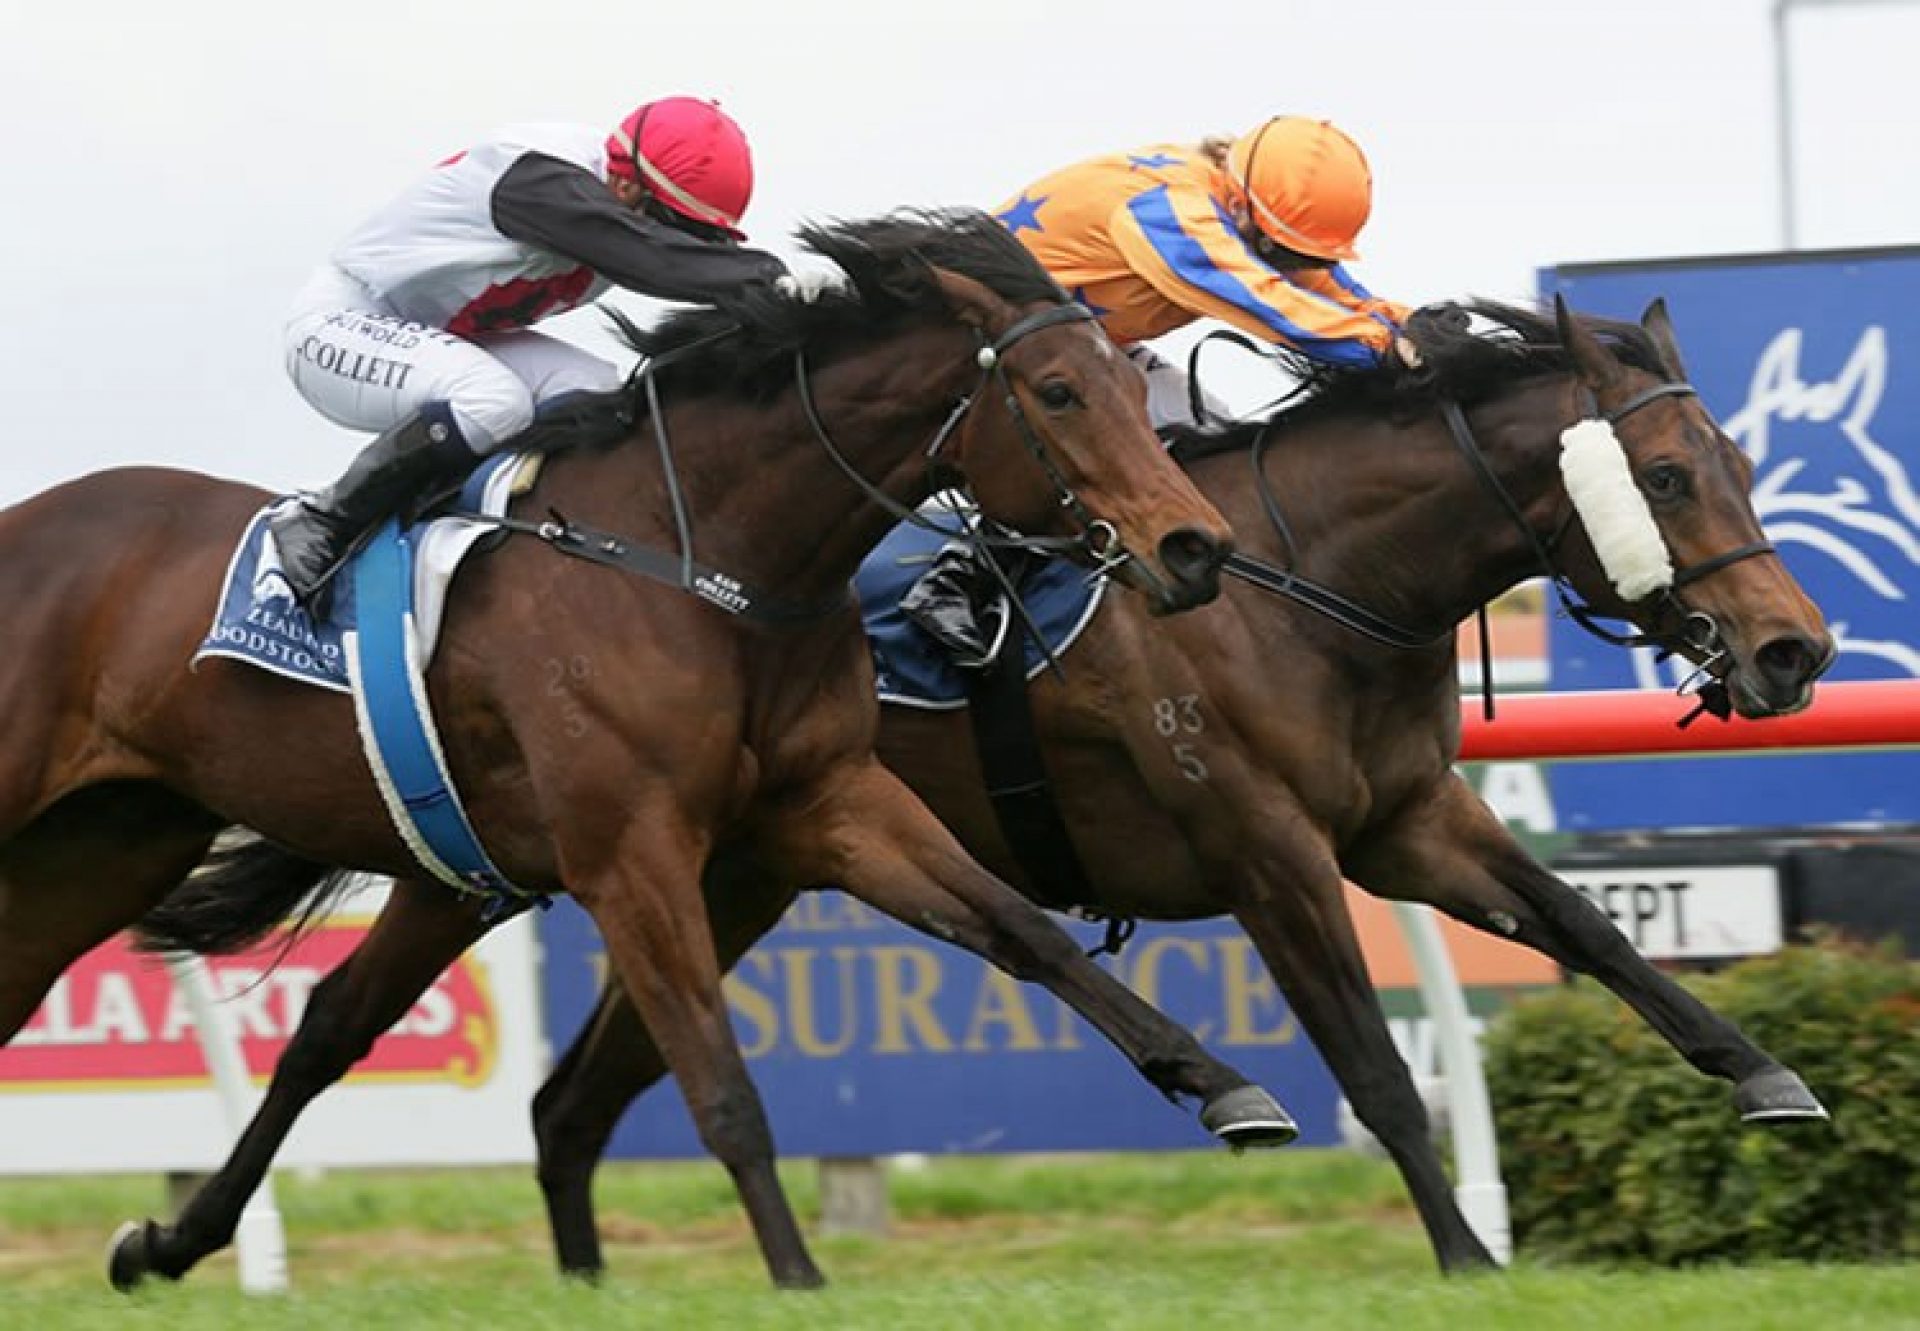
[{"x": 1698, "y": 634}]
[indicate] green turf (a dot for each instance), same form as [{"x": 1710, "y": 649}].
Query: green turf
[{"x": 1295, "y": 1240}]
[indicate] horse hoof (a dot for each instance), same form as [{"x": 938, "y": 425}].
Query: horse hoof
[
  {"x": 1248, "y": 1117},
  {"x": 1777, "y": 1095},
  {"x": 800, "y": 1280},
  {"x": 128, "y": 1255}
]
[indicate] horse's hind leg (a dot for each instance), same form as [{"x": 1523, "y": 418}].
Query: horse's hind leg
[
  {"x": 83, "y": 870},
  {"x": 422, "y": 929},
  {"x": 645, "y": 896},
  {"x": 865, "y": 832},
  {"x": 1304, "y": 932},
  {"x": 613, "y": 1060},
  {"x": 1454, "y": 854}
]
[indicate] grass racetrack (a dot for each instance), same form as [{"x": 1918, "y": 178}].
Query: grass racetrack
[{"x": 1295, "y": 1240}]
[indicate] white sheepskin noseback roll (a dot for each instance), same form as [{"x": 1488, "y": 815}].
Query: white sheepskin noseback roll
[{"x": 1612, "y": 509}]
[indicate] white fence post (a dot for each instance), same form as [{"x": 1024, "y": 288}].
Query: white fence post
[
  {"x": 1476, "y": 1152},
  {"x": 261, "y": 1240}
]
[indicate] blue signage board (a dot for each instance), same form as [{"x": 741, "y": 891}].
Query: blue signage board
[
  {"x": 1811, "y": 361},
  {"x": 866, "y": 1038}
]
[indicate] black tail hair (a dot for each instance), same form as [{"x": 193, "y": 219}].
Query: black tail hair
[{"x": 244, "y": 890}]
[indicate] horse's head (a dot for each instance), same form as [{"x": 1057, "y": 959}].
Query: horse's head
[
  {"x": 1062, "y": 445},
  {"x": 1664, "y": 498},
  {"x": 947, "y": 327}
]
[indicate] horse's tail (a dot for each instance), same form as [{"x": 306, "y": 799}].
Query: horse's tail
[{"x": 244, "y": 890}]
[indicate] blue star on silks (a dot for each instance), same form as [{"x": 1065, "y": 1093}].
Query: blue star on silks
[
  {"x": 1079, "y": 295},
  {"x": 1151, "y": 160},
  {"x": 1025, "y": 213}
]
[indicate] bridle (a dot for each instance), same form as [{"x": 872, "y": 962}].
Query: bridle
[
  {"x": 1097, "y": 538},
  {"x": 1698, "y": 635}
]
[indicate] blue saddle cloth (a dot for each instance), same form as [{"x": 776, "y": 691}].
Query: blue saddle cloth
[
  {"x": 912, "y": 669},
  {"x": 374, "y": 641},
  {"x": 258, "y": 621}
]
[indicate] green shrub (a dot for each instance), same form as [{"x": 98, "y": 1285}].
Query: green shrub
[{"x": 1615, "y": 1150}]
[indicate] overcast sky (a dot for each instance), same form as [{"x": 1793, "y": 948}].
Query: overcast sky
[{"x": 173, "y": 172}]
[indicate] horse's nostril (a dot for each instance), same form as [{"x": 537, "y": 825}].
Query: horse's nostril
[
  {"x": 1789, "y": 661},
  {"x": 1191, "y": 554}
]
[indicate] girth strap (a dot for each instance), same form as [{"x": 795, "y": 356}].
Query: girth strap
[{"x": 1008, "y": 743}]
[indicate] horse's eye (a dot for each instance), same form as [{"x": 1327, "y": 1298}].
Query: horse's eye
[
  {"x": 1665, "y": 480},
  {"x": 1057, "y": 395}
]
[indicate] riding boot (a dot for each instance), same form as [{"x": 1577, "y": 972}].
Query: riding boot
[
  {"x": 952, "y": 604},
  {"x": 316, "y": 535},
  {"x": 583, "y": 419}
]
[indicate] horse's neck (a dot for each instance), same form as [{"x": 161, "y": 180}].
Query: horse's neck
[
  {"x": 1394, "y": 517},
  {"x": 766, "y": 503}
]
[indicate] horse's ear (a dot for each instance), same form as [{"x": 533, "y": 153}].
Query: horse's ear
[
  {"x": 1659, "y": 325},
  {"x": 974, "y": 302},
  {"x": 1594, "y": 362}
]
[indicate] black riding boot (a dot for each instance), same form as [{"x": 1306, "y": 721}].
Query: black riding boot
[
  {"x": 316, "y": 535},
  {"x": 960, "y": 604}
]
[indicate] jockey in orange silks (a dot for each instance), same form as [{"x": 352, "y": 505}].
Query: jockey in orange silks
[{"x": 1251, "y": 231}]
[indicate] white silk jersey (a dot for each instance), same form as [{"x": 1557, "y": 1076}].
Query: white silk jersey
[
  {"x": 434, "y": 254},
  {"x": 433, "y": 298}
]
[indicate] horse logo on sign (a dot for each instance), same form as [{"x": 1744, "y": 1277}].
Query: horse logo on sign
[{"x": 1839, "y": 502}]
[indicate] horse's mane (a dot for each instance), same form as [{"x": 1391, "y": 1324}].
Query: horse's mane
[
  {"x": 746, "y": 348},
  {"x": 1460, "y": 361}
]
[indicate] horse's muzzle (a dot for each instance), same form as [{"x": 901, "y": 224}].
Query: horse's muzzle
[
  {"x": 1192, "y": 558},
  {"x": 1778, "y": 680}
]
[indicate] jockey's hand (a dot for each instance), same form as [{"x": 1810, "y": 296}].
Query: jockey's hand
[
  {"x": 1442, "y": 316},
  {"x": 808, "y": 285},
  {"x": 1406, "y": 353}
]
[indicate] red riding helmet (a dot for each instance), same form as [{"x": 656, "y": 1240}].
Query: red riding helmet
[{"x": 691, "y": 155}]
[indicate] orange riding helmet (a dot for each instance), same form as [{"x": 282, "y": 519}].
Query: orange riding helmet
[{"x": 1306, "y": 183}]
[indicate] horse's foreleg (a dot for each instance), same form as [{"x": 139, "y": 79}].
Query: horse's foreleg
[
  {"x": 645, "y": 896},
  {"x": 614, "y": 1059},
  {"x": 1452, "y": 852},
  {"x": 83, "y": 870},
  {"x": 1304, "y": 932},
  {"x": 865, "y": 832},
  {"x": 422, "y": 929}
]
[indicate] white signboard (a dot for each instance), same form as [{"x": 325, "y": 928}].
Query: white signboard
[
  {"x": 1689, "y": 912},
  {"x": 108, "y": 1076}
]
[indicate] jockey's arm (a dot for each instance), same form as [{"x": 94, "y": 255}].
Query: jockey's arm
[
  {"x": 1337, "y": 284},
  {"x": 1179, "y": 241},
  {"x": 541, "y": 200}
]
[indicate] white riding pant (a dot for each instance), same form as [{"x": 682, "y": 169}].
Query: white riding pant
[
  {"x": 366, "y": 368},
  {"x": 1169, "y": 392}
]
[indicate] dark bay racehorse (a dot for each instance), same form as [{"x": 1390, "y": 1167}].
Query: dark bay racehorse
[
  {"x": 605, "y": 731},
  {"x": 1244, "y": 759}
]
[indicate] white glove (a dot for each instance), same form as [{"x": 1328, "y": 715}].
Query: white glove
[{"x": 809, "y": 284}]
